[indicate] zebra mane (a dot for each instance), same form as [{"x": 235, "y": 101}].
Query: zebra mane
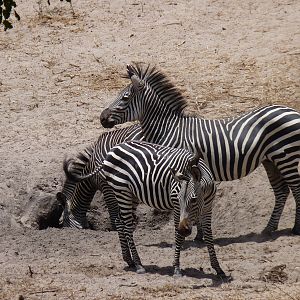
[{"x": 162, "y": 86}]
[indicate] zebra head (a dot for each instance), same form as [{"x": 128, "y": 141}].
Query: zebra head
[
  {"x": 189, "y": 197},
  {"x": 78, "y": 191},
  {"x": 68, "y": 219},
  {"x": 127, "y": 107}
]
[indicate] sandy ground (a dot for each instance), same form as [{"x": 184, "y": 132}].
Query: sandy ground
[{"x": 59, "y": 70}]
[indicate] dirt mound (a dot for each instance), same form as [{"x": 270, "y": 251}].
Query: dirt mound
[{"x": 41, "y": 211}]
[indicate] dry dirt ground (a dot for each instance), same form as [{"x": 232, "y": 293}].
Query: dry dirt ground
[{"x": 59, "y": 69}]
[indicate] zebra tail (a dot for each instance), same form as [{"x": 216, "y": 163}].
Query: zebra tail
[{"x": 71, "y": 173}]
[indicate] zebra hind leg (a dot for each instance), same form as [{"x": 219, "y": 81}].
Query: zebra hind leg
[
  {"x": 127, "y": 206},
  {"x": 123, "y": 242},
  {"x": 296, "y": 194},
  {"x": 128, "y": 230},
  {"x": 291, "y": 176},
  {"x": 281, "y": 191},
  {"x": 111, "y": 203}
]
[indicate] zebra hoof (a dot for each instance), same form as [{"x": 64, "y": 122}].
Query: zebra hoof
[
  {"x": 296, "y": 230},
  {"x": 129, "y": 262},
  {"x": 177, "y": 273},
  {"x": 131, "y": 265},
  {"x": 198, "y": 240},
  {"x": 222, "y": 275},
  {"x": 199, "y": 237},
  {"x": 225, "y": 278},
  {"x": 268, "y": 231},
  {"x": 140, "y": 269}
]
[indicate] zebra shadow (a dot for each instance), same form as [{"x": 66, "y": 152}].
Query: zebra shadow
[
  {"x": 244, "y": 238},
  {"x": 187, "y": 272},
  {"x": 253, "y": 237}
]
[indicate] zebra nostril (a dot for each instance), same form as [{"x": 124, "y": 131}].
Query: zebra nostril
[{"x": 105, "y": 114}]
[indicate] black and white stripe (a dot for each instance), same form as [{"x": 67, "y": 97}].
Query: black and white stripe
[
  {"x": 77, "y": 196},
  {"x": 164, "y": 178},
  {"x": 232, "y": 147}
]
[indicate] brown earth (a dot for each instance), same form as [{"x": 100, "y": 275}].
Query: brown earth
[{"x": 59, "y": 70}]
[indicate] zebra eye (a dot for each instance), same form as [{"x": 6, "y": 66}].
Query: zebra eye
[
  {"x": 125, "y": 96},
  {"x": 194, "y": 200}
]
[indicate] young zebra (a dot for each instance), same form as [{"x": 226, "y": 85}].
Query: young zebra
[
  {"x": 76, "y": 197},
  {"x": 163, "y": 178},
  {"x": 232, "y": 147}
]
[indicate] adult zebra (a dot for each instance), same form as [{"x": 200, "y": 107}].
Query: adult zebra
[
  {"x": 163, "y": 178},
  {"x": 232, "y": 147},
  {"x": 76, "y": 197}
]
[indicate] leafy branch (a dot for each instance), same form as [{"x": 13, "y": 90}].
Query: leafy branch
[{"x": 6, "y": 7}]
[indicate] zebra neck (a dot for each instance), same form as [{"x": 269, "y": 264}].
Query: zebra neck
[{"x": 171, "y": 130}]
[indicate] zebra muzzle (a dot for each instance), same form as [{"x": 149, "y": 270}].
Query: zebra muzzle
[
  {"x": 184, "y": 228},
  {"x": 106, "y": 120}
]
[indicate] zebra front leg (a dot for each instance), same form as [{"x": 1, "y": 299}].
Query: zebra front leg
[
  {"x": 208, "y": 238},
  {"x": 123, "y": 242},
  {"x": 281, "y": 191},
  {"x": 199, "y": 236},
  {"x": 206, "y": 202},
  {"x": 179, "y": 240}
]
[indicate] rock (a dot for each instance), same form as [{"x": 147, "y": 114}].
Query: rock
[{"x": 275, "y": 275}]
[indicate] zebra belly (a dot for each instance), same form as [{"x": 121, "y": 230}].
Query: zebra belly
[
  {"x": 232, "y": 168},
  {"x": 153, "y": 195}
]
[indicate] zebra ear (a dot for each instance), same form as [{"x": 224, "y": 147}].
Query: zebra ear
[
  {"x": 195, "y": 160},
  {"x": 61, "y": 198},
  {"x": 137, "y": 83},
  {"x": 196, "y": 173}
]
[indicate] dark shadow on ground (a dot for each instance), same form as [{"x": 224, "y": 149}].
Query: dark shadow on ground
[
  {"x": 250, "y": 237},
  {"x": 253, "y": 237},
  {"x": 188, "y": 272}
]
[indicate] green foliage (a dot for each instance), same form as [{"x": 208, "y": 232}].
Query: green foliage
[{"x": 6, "y": 7}]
